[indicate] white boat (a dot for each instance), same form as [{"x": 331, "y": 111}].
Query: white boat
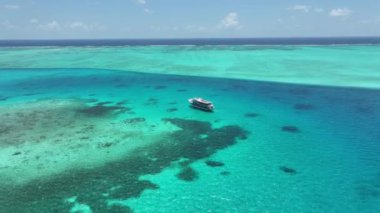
[{"x": 202, "y": 104}]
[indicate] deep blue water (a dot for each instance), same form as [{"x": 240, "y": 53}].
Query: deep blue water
[{"x": 195, "y": 41}]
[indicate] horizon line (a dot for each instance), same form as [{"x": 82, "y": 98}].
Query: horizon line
[{"x": 198, "y": 38}]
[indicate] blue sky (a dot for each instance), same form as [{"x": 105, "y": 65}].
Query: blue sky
[{"x": 70, "y": 19}]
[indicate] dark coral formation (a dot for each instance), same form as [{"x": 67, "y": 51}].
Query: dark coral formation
[
  {"x": 292, "y": 129},
  {"x": 171, "y": 109},
  {"x": 105, "y": 145},
  {"x": 152, "y": 101},
  {"x": 22, "y": 126},
  {"x": 4, "y": 129},
  {"x": 288, "y": 170},
  {"x": 251, "y": 115},
  {"x": 91, "y": 100},
  {"x": 134, "y": 120},
  {"x": 212, "y": 163},
  {"x": 198, "y": 147},
  {"x": 3, "y": 98},
  {"x": 122, "y": 102},
  {"x": 185, "y": 163},
  {"x": 100, "y": 110},
  {"x": 119, "y": 209},
  {"x": 121, "y": 85},
  {"x": 121, "y": 179},
  {"x": 187, "y": 174},
  {"x": 225, "y": 173},
  {"x": 368, "y": 192},
  {"x": 158, "y": 87},
  {"x": 369, "y": 188},
  {"x": 104, "y": 103},
  {"x": 17, "y": 153}
]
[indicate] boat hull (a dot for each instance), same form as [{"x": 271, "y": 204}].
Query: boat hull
[
  {"x": 207, "y": 107},
  {"x": 202, "y": 108}
]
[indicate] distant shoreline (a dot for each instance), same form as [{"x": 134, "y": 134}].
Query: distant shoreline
[{"x": 195, "y": 41}]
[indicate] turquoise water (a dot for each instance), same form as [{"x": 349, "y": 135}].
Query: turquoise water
[
  {"x": 344, "y": 65},
  {"x": 82, "y": 140}
]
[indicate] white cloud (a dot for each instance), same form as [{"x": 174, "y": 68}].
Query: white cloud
[
  {"x": 79, "y": 25},
  {"x": 141, "y": 1},
  {"x": 146, "y": 10},
  {"x": 301, "y": 8},
  {"x": 231, "y": 21},
  {"x": 340, "y": 12},
  {"x": 12, "y": 6},
  {"x": 53, "y": 25},
  {"x": 74, "y": 26},
  {"x": 306, "y": 8},
  {"x": 187, "y": 28}
]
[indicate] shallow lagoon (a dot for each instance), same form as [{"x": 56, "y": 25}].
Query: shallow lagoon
[
  {"x": 342, "y": 65},
  {"x": 116, "y": 141}
]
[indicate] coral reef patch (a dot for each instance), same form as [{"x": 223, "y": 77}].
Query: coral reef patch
[
  {"x": 120, "y": 180},
  {"x": 251, "y": 115},
  {"x": 225, "y": 173},
  {"x": 3, "y": 98},
  {"x": 152, "y": 101},
  {"x": 134, "y": 120},
  {"x": 172, "y": 110},
  {"x": 101, "y": 110},
  {"x": 369, "y": 188},
  {"x": 288, "y": 170},
  {"x": 187, "y": 174},
  {"x": 212, "y": 163},
  {"x": 291, "y": 129},
  {"x": 158, "y": 87}
]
